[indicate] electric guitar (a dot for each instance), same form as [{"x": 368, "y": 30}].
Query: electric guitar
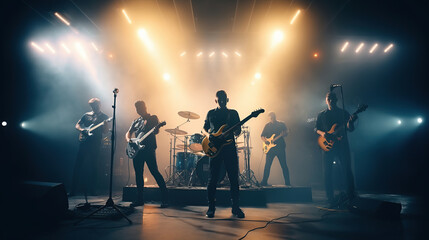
[
  {"x": 336, "y": 133},
  {"x": 135, "y": 145},
  {"x": 213, "y": 143},
  {"x": 267, "y": 145},
  {"x": 88, "y": 130}
]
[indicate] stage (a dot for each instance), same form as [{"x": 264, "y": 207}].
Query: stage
[{"x": 249, "y": 196}]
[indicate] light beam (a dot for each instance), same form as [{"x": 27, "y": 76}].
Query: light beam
[
  {"x": 294, "y": 17},
  {"x": 62, "y": 19}
]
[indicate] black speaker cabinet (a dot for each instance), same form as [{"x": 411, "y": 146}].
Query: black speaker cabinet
[
  {"x": 377, "y": 208},
  {"x": 44, "y": 200}
]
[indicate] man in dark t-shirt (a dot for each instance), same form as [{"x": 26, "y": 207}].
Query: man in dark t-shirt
[
  {"x": 280, "y": 131},
  {"x": 142, "y": 125},
  {"x": 228, "y": 154},
  {"x": 84, "y": 175},
  {"x": 341, "y": 150}
]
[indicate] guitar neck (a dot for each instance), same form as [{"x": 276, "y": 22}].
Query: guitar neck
[
  {"x": 237, "y": 125},
  {"x": 96, "y": 126}
]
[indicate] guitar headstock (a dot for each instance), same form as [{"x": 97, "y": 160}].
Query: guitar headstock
[
  {"x": 257, "y": 112},
  {"x": 361, "y": 108},
  {"x": 161, "y": 124}
]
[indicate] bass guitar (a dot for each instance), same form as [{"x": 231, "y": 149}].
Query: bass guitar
[
  {"x": 267, "y": 145},
  {"x": 88, "y": 130},
  {"x": 135, "y": 145},
  {"x": 213, "y": 143},
  {"x": 336, "y": 133}
]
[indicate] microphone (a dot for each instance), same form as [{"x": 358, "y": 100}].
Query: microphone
[
  {"x": 334, "y": 86},
  {"x": 115, "y": 90}
]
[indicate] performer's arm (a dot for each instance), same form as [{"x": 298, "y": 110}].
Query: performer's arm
[
  {"x": 206, "y": 126},
  {"x": 351, "y": 122},
  {"x": 129, "y": 133},
  {"x": 319, "y": 126}
]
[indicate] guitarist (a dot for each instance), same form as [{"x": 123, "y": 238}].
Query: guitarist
[
  {"x": 84, "y": 174},
  {"x": 228, "y": 155},
  {"x": 144, "y": 124},
  {"x": 280, "y": 130},
  {"x": 341, "y": 150}
]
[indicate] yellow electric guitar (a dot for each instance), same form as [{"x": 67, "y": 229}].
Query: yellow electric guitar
[
  {"x": 336, "y": 133},
  {"x": 267, "y": 145},
  {"x": 213, "y": 143}
]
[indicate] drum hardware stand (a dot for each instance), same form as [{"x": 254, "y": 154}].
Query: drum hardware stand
[
  {"x": 173, "y": 164},
  {"x": 247, "y": 176},
  {"x": 110, "y": 202}
]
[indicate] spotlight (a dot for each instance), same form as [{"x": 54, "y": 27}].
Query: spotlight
[
  {"x": 166, "y": 76},
  {"x": 126, "y": 16},
  {"x": 359, "y": 47},
  {"x": 65, "y": 47},
  {"x": 23, "y": 125},
  {"x": 50, "y": 48},
  {"x": 62, "y": 19},
  {"x": 80, "y": 50},
  {"x": 420, "y": 120},
  {"x": 237, "y": 53},
  {"x": 199, "y": 54},
  {"x": 143, "y": 35},
  {"x": 33, "y": 44},
  {"x": 183, "y": 54},
  {"x": 211, "y": 54},
  {"x": 316, "y": 55},
  {"x": 224, "y": 54},
  {"x": 296, "y": 15},
  {"x": 4, "y": 123},
  {"x": 399, "y": 122},
  {"x": 277, "y": 37},
  {"x": 388, "y": 48},
  {"x": 344, "y": 46},
  {"x": 334, "y": 162},
  {"x": 373, "y": 48},
  {"x": 258, "y": 75}
]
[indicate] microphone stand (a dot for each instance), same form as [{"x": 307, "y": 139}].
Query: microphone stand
[{"x": 110, "y": 202}]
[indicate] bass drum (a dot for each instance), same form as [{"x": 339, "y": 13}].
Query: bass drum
[
  {"x": 185, "y": 161},
  {"x": 203, "y": 171}
]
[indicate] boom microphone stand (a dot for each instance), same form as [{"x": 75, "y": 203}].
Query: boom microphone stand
[{"x": 110, "y": 202}]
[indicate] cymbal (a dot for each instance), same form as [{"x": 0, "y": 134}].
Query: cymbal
[
  {"x": 188, "y": 115},
  {"x": 239, "y": 142},
  {"x": 176, "y": 131}
]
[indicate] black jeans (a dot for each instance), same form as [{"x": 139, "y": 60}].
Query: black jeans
[
  {"x": 341, "y": 154},
  {"x": 148, "y": 156},
  {"x": 228, "y": 155},
  {"x": 85, "y": 169},
  {"x": 280, "y": 153}
]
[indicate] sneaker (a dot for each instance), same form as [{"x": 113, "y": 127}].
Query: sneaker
[
  {"x": 210, "y": 212},
  {"x": 237, "y": 212}
]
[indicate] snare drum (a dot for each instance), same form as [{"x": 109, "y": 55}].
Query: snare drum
[{"x": 195, "y": 142}]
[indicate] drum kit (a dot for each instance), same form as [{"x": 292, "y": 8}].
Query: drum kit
[{"x": 189, "y": 166}]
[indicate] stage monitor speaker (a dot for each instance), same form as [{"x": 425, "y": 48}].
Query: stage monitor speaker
[
  {"x": 376, "y": 208},
  {"x": 47, "y": 201}
]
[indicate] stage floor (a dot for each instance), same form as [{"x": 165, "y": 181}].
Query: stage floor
[
  {"x": 300, "y": 221},
  {"x": 249, "y": 196}
]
